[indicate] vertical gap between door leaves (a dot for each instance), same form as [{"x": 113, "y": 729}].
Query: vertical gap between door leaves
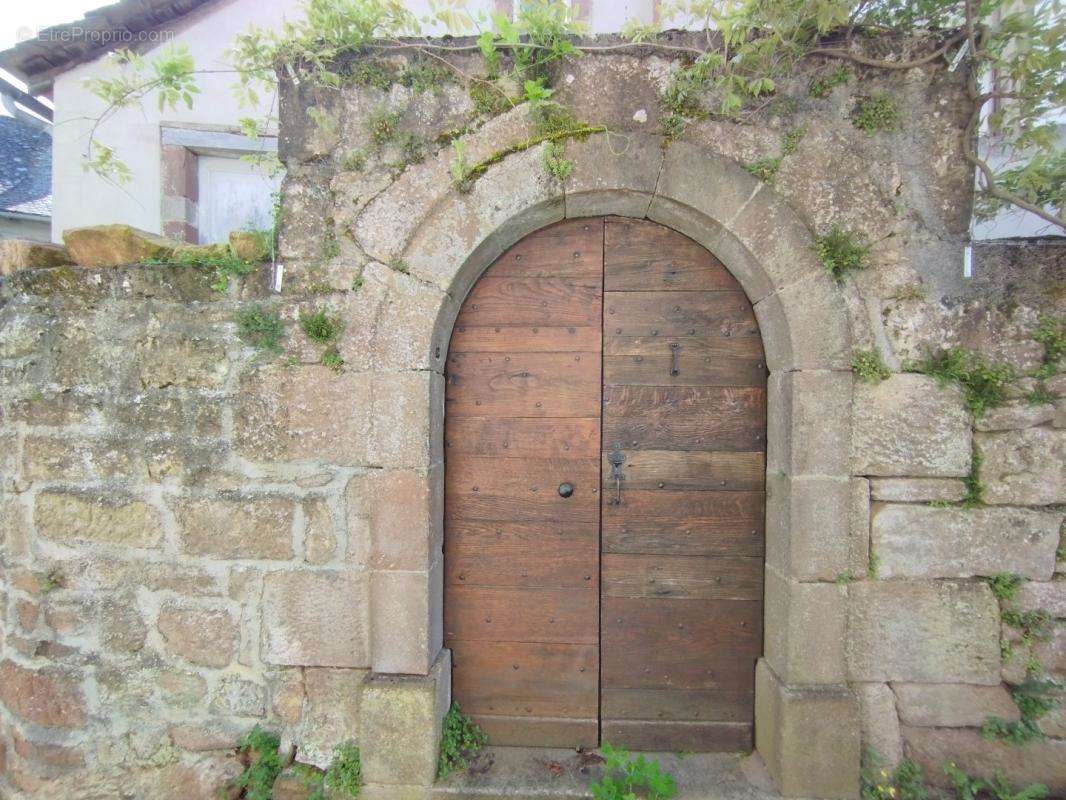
[{"x": 599, "y": 488}]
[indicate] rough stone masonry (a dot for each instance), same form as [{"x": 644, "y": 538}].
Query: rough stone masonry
[{"x": 199, "y": 536}]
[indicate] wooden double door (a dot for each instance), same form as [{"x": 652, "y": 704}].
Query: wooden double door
[{"x": 605, "y": 438}]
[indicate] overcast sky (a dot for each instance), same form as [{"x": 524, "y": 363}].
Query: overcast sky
[{"x": 22, "y": 19}]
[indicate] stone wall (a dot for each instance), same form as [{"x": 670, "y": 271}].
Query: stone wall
[{"x": 198, "y": 536}]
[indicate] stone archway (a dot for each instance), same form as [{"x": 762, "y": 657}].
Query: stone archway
[{"x": 807, "y": 727}]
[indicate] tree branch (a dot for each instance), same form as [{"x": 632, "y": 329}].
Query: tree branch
[{"x": 880, "y": 63}]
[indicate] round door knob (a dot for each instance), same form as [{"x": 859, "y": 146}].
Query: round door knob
[{"x": 566, "y": 489}]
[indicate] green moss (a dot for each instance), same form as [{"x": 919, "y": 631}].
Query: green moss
[
  {"x": 488, "y": 98},
  {"x": 878, "y": 112},
  {"x": 1039, "y": 396},
  {"x": 556, "y": 162},
  {"x": 382, "y": 126},
  {"x": 984, "y": 384},
  {"x": 821, "y": 85},
  {"x": 354, "y": 161},
  {"x": 319, "y": 326},
  {"x": 461, "y": 739},
  {"x": 842, "y": 252},
  {"x": 426, "y": 76},
  {"x": 220, "y": 263},
  {"x": 370, "y": 73},
  {"x": 869, "y": 366},
  {"x": 261, "y": 327}
]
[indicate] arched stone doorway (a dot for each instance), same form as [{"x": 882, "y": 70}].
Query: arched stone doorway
[{"x": 806, "y": 716}]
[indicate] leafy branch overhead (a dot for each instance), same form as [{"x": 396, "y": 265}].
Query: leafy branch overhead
[{"x": 1010, "y": 53}]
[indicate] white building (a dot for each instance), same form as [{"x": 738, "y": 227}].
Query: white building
[{"x": 189, "y": 180}]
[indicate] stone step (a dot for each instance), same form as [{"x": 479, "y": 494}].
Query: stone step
[{"x": 533, "y": 773}]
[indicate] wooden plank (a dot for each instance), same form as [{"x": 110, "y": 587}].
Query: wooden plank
[
  {"x": 685, "y": 370},
  {"x": 641, "y": 255},
  {"x": 522, "y": 679},
  {"x": 694, "y": 705},
  {"x": 692, "y": 737},
  {"x": 492, "y": 488},
  {"x": 695, "y": 470},
  {"x": 572, "y": 248},
  {"x": 685, "y": 523},
  {"x": 702, "y": 315},
  {"x": 522, "y": 437},
  {"x": 747, "y": 347},
  {"x": 524, "y": 339},
  {"x": 542, "y": 302},
  {"x": 685, "y": 418},
  {"x": 539, "y": 731},
  {"x": 695, "y": 644},
  {"x": 560, "y": 554},
  {"x": 523, "y": 385},
  {"x": 486, "y": 614},
  {"x": 684, "y": 577}
]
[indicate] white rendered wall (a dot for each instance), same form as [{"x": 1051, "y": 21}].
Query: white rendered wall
[{"x": 83, "y": 198}]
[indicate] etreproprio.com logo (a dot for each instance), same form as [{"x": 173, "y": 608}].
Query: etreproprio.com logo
[{"x": 76, "y": 33}]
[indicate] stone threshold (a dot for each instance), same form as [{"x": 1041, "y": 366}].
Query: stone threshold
[{"x": 535, "y": 773}]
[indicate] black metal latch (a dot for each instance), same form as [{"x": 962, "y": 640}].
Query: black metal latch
[{"x": 617, "y": 458}]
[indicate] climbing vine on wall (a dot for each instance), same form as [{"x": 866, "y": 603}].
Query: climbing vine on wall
[{"x": 1011, "y": 54}]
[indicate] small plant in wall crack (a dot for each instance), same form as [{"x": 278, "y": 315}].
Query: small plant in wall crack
[
  {"x": 879, "y": 782},
  {"x": 258, "y": 750},
  {"x": 998, "y": 788},
  {"x": 461, "y": 739},
  {"x": 868, "y": 366},
  {"x": 261, "y": 327},
  {"x": 626, "y": 777},
  {"x": 878, "y": 112},
  {"x": 984, "y": 384},
  {"x": 319, "y": 327},
  {"x": 324, "y": 329},
  {"x": 842, "y": 252}
]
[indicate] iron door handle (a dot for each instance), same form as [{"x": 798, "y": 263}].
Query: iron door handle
[{"x": 617, "y": 458}]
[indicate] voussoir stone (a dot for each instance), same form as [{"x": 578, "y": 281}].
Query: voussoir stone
[
  {"x": 921, "y": 541},
  {"x": 115, "y": 245},
  {"x": 19, "y": 254},
  {"x": 923, "y": 632},
  {"x": 952, "y": 705},
  {"x": 1025, "y": 467},
  {"x": 908, "y": 425}
]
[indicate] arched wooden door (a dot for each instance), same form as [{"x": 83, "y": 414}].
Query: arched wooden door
[{"x": 604, "y": 493}]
